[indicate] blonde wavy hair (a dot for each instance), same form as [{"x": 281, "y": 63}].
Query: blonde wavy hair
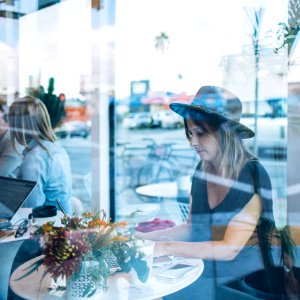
[
  {"x": 232, "y": 153},
  {"x": 29, "y": 120}
]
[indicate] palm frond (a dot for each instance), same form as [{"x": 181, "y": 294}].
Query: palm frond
[{"x": 162, "y": 41}]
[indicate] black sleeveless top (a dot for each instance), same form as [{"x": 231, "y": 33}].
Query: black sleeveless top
[{"x": 210, "y": 223}]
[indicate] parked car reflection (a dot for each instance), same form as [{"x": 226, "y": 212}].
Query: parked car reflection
[
  {"x": 166, "y": 119},
  {"x": 73, "y": 129},
  {"x": 138, "y": 120}
]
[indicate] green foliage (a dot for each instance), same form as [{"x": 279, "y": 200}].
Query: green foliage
[
  {"x": 54, "y": 106},
  {"x": 33, "y": 267},
  {"x": 162, "y": 42},
  {"x": 51, "y": 86},
  {"x": 287, "y": 34},
  {"x": 130, "y": 257}
]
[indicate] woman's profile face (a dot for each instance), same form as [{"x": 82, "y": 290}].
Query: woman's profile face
[{"x": 204, "y": 141}]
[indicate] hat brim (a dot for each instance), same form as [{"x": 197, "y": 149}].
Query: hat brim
[{"x": 184, "y": 111}]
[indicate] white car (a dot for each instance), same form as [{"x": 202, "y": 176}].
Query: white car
[
  {"x": 166, "y": 119},
  {"x": 138, "y": 120}
]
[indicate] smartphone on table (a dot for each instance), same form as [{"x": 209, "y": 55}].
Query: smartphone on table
[{"x": 175, "y": 271}]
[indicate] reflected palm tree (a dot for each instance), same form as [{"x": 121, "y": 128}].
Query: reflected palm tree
[
  {"x": 162, "y": 42},
  {"x": 288, "y": 33}
]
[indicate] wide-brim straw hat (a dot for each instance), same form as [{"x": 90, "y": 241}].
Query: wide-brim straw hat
[{"x": 215, "y": 104}]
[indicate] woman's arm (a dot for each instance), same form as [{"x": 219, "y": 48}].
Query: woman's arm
[{"x": 237, "y": 234}]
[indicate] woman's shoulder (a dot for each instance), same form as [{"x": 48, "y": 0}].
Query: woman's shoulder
[
  {"x": 37, "y": 149},
  {"x": 256, "y": 173},
  {"x": 255, "y": 168}
]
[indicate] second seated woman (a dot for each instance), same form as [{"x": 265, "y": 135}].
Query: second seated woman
[
  {"x": 231, "y": 194},
  {"x": 45, "y": 160}
]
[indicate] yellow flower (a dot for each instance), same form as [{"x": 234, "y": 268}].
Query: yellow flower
[{"x": 120, "y": 238}]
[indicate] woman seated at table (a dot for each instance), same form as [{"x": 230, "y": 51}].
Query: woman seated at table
[
  {"x": 45, "y": 161},
  {"x": 231, "y": 190}
]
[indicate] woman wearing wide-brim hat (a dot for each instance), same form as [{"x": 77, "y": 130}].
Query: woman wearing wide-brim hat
[{"x": 231, "y": 191}]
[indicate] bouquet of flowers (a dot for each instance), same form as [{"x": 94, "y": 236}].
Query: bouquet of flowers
[{"x": 88, "y": 238}]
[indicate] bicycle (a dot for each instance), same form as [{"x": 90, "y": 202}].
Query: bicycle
[
  {"x": 128, "y": 159},
  {"x": 157, "y": 167},
  {"x": 162, "y": 165}
]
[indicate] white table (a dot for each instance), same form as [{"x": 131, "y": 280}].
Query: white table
[
  {"x": 22, "y": 214},
  {"x": 139, "y": 209},
  {"x": 163, "y": 190},
  {"x": 119, "y": 285}
]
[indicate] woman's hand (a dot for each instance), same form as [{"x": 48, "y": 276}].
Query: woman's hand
[{"x": 141, "y": 235}]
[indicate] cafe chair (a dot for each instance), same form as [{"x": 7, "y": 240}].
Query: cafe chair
[{"x": 177, "y": 211}]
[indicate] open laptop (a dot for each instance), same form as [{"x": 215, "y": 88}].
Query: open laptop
[{"x": 13, "y": 194}]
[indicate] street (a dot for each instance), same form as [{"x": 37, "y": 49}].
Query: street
[{"x": 79, "y": 151}]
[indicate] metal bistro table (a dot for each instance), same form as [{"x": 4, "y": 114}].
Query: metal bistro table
[
  {"x": 168, "y": 189},
  {"x": 167, "y": 193},
  {"x": 119, "y": 284}
]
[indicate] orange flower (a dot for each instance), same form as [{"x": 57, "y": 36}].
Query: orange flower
[
  {"x": 47, "y": 227},
  {"x": 97, "y": 223},
  {"x": 122, "y": 224},
  {"x": 91, "y": 224},
  {"x": 119, "y": 238},
  {"x": 101, "y": 222}
]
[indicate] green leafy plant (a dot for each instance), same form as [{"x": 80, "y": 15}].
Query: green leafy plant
[
  {"x": 288, "y": 32},
  {"x": 54, "y": 106}
]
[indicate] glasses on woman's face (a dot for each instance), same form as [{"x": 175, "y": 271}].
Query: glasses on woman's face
[{"x": 22, "y": 228}]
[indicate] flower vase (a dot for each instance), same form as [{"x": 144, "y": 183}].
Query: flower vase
[{"x": 82, "y": 285}]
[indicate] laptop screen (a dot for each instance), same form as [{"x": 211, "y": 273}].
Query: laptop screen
[{"x": 13, "y": 193}]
